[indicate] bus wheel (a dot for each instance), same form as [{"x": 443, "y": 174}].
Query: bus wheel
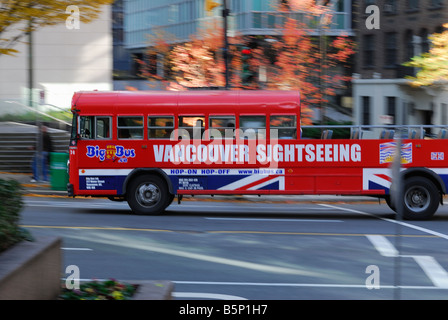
[
  {"x": 389, "y": 203},
  {"x": 421, "y": 199},
  {"x": 148, "y": 194}
]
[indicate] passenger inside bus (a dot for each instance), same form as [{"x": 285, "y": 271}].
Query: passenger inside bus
[{"x": 166, "y": 132}]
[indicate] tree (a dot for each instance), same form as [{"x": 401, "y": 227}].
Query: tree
[
  {"x": 158, "y": 54},
  {"x": 432, "y": 65},
  {"x": 198, "y": 63},
  {"x": 293, "y": 60},
  {"x": 308, "y": 63},
  {"x": 19, "y": 17}
]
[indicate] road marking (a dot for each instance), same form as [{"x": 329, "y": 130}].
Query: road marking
[
  {"x": 306, "y": 285},
  {"x": 95, "y": 228},
  {"x": 174, "y": 207},
  {"x": 430, "y": 266},
  {"x": 222, "y": 231},
  {"x": 67, "y": 204},
  {"x": 155, "y": 247},
  {"x": 281, "y": 220},
  {"x": 77, "y": 249},
  {"x": 205, "y": 295},
  {"x": 433, "y": 270},
  {"x": 278, "y": 284},
  {"x": 425, "y": 230},
  {"x": 384, "y": 247}
]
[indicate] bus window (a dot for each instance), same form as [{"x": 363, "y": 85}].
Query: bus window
[
  {"x": 160, "y": 127},
  {"x": 222, "y": 127},
  {"x": 95, "y": 127},
  {"x": 191, "y": 127},
  {"x": 283, "y": 127},
  {"x": 130, "y": 127},
  {"x": 86, "y": 127},
  {"x": 102, "y": 128},
  {"x": 253, "y": 127}
]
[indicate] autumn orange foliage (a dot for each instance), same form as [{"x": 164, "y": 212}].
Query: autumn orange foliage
[{"x": 300, "y": 63}]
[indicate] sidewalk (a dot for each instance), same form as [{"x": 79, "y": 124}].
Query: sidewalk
[
  {"x": 39, "y": 188},
  {"x": 44, "y": 189}
]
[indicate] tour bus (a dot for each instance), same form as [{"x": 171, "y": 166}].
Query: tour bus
[{"x": 148, "y": 147}]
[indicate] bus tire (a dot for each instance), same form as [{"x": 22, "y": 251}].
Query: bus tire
[
  {"x": 421, "y": 198},
  {"x": 389, "y": 203},
  {"x": 148, "y": 195}
]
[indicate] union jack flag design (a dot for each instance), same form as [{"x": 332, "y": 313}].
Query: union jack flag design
[
  {"x": 227, "y": 179},
  {"x": 437, "y": 155},
  {"x": 381, "y": 178},
  {"x": 377, "y": 179}
]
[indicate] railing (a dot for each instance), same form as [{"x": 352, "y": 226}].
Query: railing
[
  {"x": 35, "y": 110},
  {"x": 375, "y": 131}
]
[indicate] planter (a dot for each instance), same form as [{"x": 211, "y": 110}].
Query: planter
[
  {"x": 153, "y": 290},
  {"x": 31, "y": 270},
  {"x": 119, "y": 290}
]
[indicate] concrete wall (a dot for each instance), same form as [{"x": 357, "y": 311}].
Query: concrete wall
[{"x": 31, "y": 270}]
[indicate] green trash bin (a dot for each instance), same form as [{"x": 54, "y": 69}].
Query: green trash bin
[{"x": 58, "y": 170}]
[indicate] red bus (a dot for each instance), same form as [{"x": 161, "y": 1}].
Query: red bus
[{"x": 148, "y": 147}]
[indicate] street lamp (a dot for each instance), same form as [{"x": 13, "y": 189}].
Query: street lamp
[{"x": 225, "y": 14}]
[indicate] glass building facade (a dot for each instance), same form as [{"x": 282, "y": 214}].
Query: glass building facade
[{"x": 182, "y": 18}]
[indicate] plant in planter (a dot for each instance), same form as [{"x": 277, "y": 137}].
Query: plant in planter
[
  {"x": 100, "y": 290},
  {"x": 10, "y": 205}
]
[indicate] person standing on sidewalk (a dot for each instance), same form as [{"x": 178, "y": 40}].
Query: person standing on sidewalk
[{"x": 43, "y": 159}]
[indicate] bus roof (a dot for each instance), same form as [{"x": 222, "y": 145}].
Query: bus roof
[{"x": 191, "y": 102}]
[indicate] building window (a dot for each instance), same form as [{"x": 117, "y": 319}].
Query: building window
[
  {"x": 369, "y": 50},
  {"x": 412, "y": 5},
  {"x": 435, "y": 4},
  {"x": 408, "y": 45},
  {"x": 425, "y": 42},
  {"x": 390, "y": 7},
  {"x": 365, "y": 110},
  {"x": 391, "y": 108},
  {"x": 390, "y": 53}
]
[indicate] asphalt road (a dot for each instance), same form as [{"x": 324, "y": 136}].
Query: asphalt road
[{"x": 252, "y": 250}]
